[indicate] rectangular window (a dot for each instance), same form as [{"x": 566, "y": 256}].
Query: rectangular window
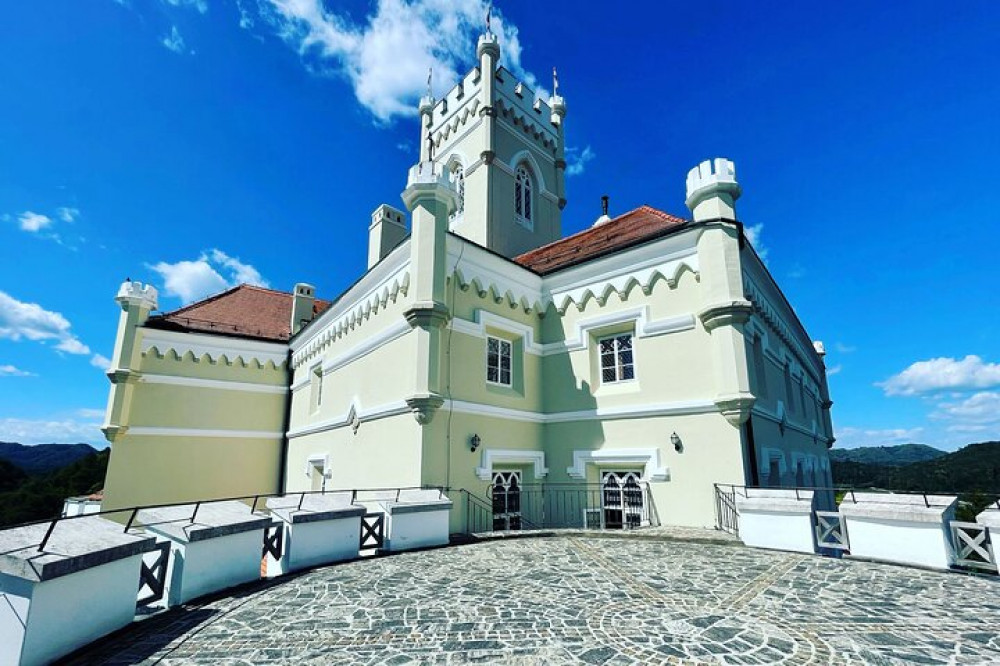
[
  {"x": 789, "y": 396},
  {"x": 498, "y": 361},
  {"x": 617, "y": 363},
  {"x": 759, "y": 368}
]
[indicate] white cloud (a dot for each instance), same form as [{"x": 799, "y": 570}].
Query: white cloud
[
  {"x": 752, "y": 234},
  {"x": 31, "y": 321},
  {"x": 11, "y": 371},
  {"x": 67, "y": 214},
  {"x": 88, "y": 413},
  {"x": 844, "y": 349},
  {"x": 977, "y": 409},
  {"x": 387, "y": 55},
  {"x": 200, "y": 5},
  {"x": 59, "y": 431},
  {"x": 577, "y": 160},
  {"x": 99, "y": 361},
  {"x": 194, "y": 280},
  {"x": 174, "y": 41},
  {"x": 33, "y": 222},
  {"x": 943, "y": 374},
  {"x": 853, "y": 437},
  {"x": 834, "y": 370}
]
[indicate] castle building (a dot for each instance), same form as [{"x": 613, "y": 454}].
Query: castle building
[{"x": 482, "y": 350}]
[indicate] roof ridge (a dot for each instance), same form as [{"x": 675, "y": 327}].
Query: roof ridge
[
  {"x": 208, "y": 299},
  {"x": 617, "y": 218}
]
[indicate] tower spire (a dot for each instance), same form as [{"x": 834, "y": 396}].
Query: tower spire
[
  {"x": 555, "y": 82},
  {"x": 489, "y": 11}
]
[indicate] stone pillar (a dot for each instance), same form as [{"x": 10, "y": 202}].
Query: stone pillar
[
  {"x": 711, "y": 194},
  {"x": 136, "y": 301},
  {"x": 303, "y": 299},
  {"x": 431, "y": 198}
]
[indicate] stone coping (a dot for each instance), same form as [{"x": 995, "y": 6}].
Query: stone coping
[
  {"x": 75, "y": 544},
  {"x": 903, "y": 508},
  {"x": 214, "y": 519},
  {"x": 398, "y": 508},
  {"x": 315, "y": 508},
  {"x": 774, "y": 500},
  {"x": 991, "y": 518}
]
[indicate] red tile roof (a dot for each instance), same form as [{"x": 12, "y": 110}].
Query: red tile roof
[
  {"x": 634, "y": 227},
  {"x": 244, "y": 312}
]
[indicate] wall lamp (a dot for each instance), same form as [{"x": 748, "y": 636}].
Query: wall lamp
[
  {"x": 474, "y": 442},
  {"x": 676, "y": 441}
]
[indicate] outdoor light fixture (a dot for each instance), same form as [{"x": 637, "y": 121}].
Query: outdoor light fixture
[
  {"x": 676, "y": 441},
  {"x": 474, "y": 442}
]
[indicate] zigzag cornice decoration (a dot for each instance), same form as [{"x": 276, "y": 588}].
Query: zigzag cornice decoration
[
  {"x": 527, "y": 124},
  {"x": 460, "y": 119},
  {"x": 356, "y": 314},
  {"x": 197, "y": 348},
  {"x": 769, "y": 314},
  {"x": 502, "y": 289}
]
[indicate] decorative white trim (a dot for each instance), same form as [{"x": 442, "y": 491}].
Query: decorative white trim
[
  {"x": 484, "y": 318},
  {"x": 679, "y": 408},
  {"x": 648, "y": 458},
  {"x": 221, "y": 384},
  {"x": 384, "y": 337},
  {"x": 353, "y": 415},
  {"x": 213, "y": 346},
  {"x": 154, "y": 431},
  {"x": 383, "y": 283},
  {"x": 492, "y": 457}
]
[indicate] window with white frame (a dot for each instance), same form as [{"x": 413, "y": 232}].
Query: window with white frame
[
  {"x": 498, "y": 361},
  {"x": 523, "y": 199},
  {"x": 617, "y": 362}
]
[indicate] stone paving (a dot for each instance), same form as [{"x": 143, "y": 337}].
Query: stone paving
[{"x": 577, "y": 599}]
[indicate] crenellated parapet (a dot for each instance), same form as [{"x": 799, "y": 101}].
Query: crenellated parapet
[
  {"x": 712, "y": 190},
  {"x": 133, "y": 293}
]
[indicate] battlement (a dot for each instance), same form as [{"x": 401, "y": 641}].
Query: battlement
[
  {"x": 137, "y": 293},
  {"x": 456, "y": 99},
  {"x": 429, "y": 180},
  {"x": 519, "y": 96},
  {"x": 712, "y": 189}
]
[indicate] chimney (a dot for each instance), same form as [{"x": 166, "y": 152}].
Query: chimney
[
  {"x": 387, "y": 230},
  {"x": 604, "y": 212},
  {"x": 303, "y": 300},
  {"x": 712, "y": 190}
]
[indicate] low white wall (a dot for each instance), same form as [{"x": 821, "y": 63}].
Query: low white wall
[
  {"x": 202, "y": 567},
  {"x": 406, "y": 531},
  {"x": 777, "y": 519},
  {"x": 315, "y": 543},
  {"x": 900, "y": 528},
  {"x": 68, "y": 612}
]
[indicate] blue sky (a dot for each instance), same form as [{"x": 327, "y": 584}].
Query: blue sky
[{"x": 197, "y": 143}]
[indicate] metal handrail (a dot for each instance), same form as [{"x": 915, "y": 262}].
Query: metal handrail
[
  {"x": 849, "y": 491},
  {"x": 133, "y": 511}
]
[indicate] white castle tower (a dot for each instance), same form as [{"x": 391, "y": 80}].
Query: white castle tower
[{"x": 505, "y": 153}]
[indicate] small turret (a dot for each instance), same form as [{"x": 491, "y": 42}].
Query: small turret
[
  {"x": 387, "y": 230},
  {"x": 137, "y": 295},
  {"x": 712, "y": 190}
]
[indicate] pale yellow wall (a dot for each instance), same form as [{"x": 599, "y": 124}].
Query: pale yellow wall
[{"x": 147, "y": 470}]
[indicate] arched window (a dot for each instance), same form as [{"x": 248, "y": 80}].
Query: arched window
[
  {"x": 523, "y": 201},
  {"x": 458, "y": 178}
]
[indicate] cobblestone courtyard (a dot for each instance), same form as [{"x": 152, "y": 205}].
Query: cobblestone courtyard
[{"x": 582, "y": 599}]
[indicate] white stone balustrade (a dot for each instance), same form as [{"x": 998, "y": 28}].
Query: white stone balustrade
[
  {"x": 779, "y": 519},
  {"x": 990, "y": 517},
  {"x": 221, "y": 548},
  {"x": 415, "y": 519},
  {"x": 80, "y": 587},
  {"x": 905, "y": 529},
  {"x": 318, "y": 529}
]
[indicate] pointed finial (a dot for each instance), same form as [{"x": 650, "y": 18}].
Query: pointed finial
[
  {"x": 489, "y": 11},
  {"x": 430, "y": 75},
  {"x": 555, "y": 83},
  {"x": 604, "y": 205}
]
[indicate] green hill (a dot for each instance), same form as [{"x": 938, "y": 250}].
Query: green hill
[
  {"x": 903, "y": 454},
  {"x": 41, "y": 496},
  {"x": 42, "y": 458}
]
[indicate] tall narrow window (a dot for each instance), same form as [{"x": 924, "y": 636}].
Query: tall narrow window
[
  {"x": 522, "y": 197},
  {"x": 316, "y": 387},
  {"x": 498, "y": 361},
  {"x": 789, "y": 396},
  {"x": 458, "y": 179},
  {"x": 759, "y": 369},
  {"x": 617, "y": 362}
]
